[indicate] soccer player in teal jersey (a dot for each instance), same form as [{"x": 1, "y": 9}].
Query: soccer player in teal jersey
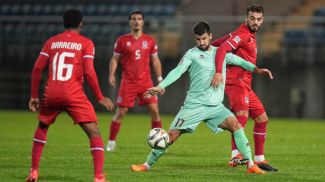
[{"x": 203, "y": 102}]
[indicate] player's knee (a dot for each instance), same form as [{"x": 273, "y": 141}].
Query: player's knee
[
  {"x": 43, "y": 125},
  {"x": 90, "y": 129},
  {"x": 262, "y": 118},
  {"x": 234, "y": 125},
  {"x": 242, "y": 113},
  {"x": 120, "y": 113}
]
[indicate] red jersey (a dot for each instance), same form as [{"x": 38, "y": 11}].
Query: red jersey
[
  {"x": 66, "y": 53},
  {"x": 243, "y": 44},
  {"x": 135, "y": 56}
]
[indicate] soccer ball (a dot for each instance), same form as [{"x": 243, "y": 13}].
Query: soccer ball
[{"x": 158, "y": 138}]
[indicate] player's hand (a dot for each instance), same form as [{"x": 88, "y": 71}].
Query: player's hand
[
  {"x": 33, "y": 104},
  {"x": 264, "y": 71},
  {"x": 162, "y": 92},
  {"x": 152, "y": 92},
  {"x": 217, "y": 79},
  {"x": 107, "y": 103},
  {"x": 112, "y": 80}
]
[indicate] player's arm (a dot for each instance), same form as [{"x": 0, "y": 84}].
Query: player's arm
[
  {"x": 40, "y": 64},
  {"x": 112, "y": 69},
  {"x": 171, "y": 77},
  {"x": 238, "y": 61},
  {"x": 232, "y": 43},
  {"x": 156, "y": 64},
  {"x": 90, "y": 74},
  {"x": 219, "y": 41},
  {"x": 92, "y": 80}
]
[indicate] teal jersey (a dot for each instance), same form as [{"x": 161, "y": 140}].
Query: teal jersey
[{"x": 201, "y": 68}]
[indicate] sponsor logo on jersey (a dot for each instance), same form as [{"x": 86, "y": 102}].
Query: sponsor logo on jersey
[
  {"x": 128, "y": 43},
  {"x": 236, "y": 39},
  {"x": 201, "y": 56},
  {"x": 145, "y": 45}
]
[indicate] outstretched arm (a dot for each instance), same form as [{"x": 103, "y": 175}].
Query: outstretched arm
[
  {"x": 263, "y": 71},
  {"x": 171, "y": 77},
  {"x": 238, "y": 61}
]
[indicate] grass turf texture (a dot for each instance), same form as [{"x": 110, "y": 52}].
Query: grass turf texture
[{"x": 295, "y": 147}]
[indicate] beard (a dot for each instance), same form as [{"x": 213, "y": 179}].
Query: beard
[
  {"x": 204, "y": 48},
  {"x": 253, "y": 28}
]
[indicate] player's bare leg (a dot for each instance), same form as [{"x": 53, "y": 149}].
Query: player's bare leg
[
  {"x": 259, "y": 141},
  {"x": 96, "y": 148},
  {"x": 115, "y": 127},
  {"x": 39, "y": 142},
  {"x": 155, "y": 154},
  {"x": 242, "y": 143},
  {"x": 155, "y": 117}
]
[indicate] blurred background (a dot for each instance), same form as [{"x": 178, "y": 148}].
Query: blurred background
[{"x": 291, "y": 43}]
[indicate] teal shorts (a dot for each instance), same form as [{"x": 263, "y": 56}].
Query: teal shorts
[{"x": 191, "y": 115}]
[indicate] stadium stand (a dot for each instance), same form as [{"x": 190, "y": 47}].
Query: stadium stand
[{"x": 26, "y": 24}]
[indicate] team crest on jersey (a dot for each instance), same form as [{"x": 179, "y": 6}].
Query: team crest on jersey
[
  {"x": 119, "y": 99},
  {"x": 128, "y": 43},
  {"x": 145, "y": 45},
  {"x": 236, "y": 39},
  {"x": 246, "y": 100}
]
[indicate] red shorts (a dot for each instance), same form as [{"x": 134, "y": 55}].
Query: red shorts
[
  {"x": 128, "y": 92},
  {"x": 241, "y": 97},
  {"x": 80, "y": 109}
]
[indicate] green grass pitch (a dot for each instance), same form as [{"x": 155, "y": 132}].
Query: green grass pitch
[{"x": 295, "y": 147}]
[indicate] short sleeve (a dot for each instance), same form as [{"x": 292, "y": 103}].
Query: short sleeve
[
  {"x": 89, "y": 51},
  {"x": 118, "y": 46},
  {"x": 236, "y": 40},
  {"x": 45, "y": 50},
  {"x": 154, "y": 49}
]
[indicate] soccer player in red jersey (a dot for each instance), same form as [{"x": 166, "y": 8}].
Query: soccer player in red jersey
[
  {"x": 69, "y": 57},
  {"x": 134, "y": 51},
  {"x": 242, "y": 99}
]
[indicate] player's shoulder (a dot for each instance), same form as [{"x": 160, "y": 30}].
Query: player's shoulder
[
  {"x": 242, "y": 31},
  {"x": 124, "y": 37},
  {"x": 192, "y": 51},
  {"x": 148, "y": 37},
  {"x": 84, "y": 39}
]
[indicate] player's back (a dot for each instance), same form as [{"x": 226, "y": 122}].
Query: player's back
[{"x": 66, "y": 52}]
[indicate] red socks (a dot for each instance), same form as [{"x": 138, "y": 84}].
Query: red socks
[
  {"x": 156, "y": 124},
  {"x": 259, "y": 137},
  {"x": 114, "y": 129},
  {"x": 242, "y": 120},
  {"x": 38, "y": 145},
  {"x": 97, "y": 151}
]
